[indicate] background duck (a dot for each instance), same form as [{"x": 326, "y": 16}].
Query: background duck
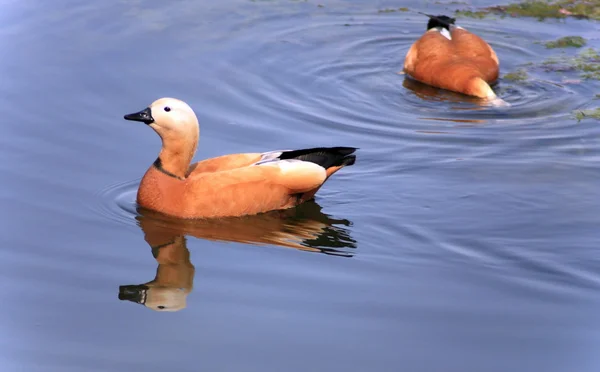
[
  {"x": 449, "y": 57},
  {"x": 229, "y": 185}
]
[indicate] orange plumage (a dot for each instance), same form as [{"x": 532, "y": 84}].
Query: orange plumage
[
  {"x": 229, "y": 185},
  {"x": 452, "y": 58}
]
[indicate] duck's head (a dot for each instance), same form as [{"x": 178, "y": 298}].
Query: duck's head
[
  {"x": 169, "y": 117},
  {"x": 155, "y": 298},
  {"x": 440, "y": 21}
]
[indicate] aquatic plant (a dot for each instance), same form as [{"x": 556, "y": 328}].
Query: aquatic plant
[
  {"x": 538, "y": 9},
  {"x": 479, "y": 14},
  {"x": 587, "y": 114},
  {"x": 587, "y": 63},
  {"x": 519, "y": 75},
  {"x": 567, "y": 41},
  {"x": 542, "y": 9},
  {"x": 390, "y": 10}
]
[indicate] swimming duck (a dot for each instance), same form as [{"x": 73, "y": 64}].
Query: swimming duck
[
  {"x": 449, "y": 57},
  {"x": 228, "y": 185}
]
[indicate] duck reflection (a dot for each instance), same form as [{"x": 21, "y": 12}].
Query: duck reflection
[
  {"x": 305, "y": 228},
  {"x": 174, "y": 277},
  {"x": 433, "y": 94},
  {"x": 429, "y": 93}
]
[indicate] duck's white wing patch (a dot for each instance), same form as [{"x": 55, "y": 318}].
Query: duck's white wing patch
[
  {"x": 270, "y": 156},
  {"x": 294, "y": 165},
  {"x": 445, "y": 33},
  {"x": 299, "y": 175}
]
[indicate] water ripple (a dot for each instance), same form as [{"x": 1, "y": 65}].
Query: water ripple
[
  {"x": 117, "y": 202},
  {"x": 344, "y": 75}
]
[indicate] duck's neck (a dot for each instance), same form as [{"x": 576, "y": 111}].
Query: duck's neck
[{"x": 175, "y": 157}]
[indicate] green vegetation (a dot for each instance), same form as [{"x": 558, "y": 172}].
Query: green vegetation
[
  {"x": 538, "y": 9},
  {"x": 479, "y": 14},
  {"x": 519, "y": 75},
  {"x": 565, "y": 42},
  {"x": 587, "y": 63},
  {"x": 542, "y": 9},
  {"x": 386, "y": 10},
  {"x": 390, "y": 10},
  {"x": 587, "y": 114}
]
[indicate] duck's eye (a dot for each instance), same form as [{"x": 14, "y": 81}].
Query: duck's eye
[
  {"x": 162, "y": 307},
  {"x": 167, "y": 109}
]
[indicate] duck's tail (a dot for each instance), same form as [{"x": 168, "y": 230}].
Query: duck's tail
[
  {"x": 480, "y": 88},
  {"x": 330, "y": 158},
  {"x": 327, "y": 157},
  {"x": 498, "y": 102}
]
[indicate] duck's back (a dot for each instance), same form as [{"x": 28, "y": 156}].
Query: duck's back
[
  {"x": 451, "y": 62},
  {"x": 474, "y": 49},
  {"x": 427, "y": 53}
]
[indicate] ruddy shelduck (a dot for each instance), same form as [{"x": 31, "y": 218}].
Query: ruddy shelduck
[
  {"x": 228, "y": 185},
  {"x": 449, "y": 57}
]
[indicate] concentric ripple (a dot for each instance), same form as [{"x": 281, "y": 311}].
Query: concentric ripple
[
  {"x": 342, "y": 72},
  {"x": 336, "y": 77},
  {"x": 117, "y": 202}
]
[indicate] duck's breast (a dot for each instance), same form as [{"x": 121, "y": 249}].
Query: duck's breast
[{"x": 161, "y": 193}]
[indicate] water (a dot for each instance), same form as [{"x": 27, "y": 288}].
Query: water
[{"x": 464, "y": 239}]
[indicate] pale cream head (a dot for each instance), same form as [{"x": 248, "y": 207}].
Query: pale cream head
[
  {"x": 173, "y": 115},
  {"x": 166, "y": 299},
  {"x": 169, "y": 117},
  {"x": 157, "y": 298},
  {"x": 177, "y": 126}
]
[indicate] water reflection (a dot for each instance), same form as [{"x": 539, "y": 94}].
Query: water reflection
[
  {"x": 305, "y": 228},
  {"x": 429, "y": 93},
  {"x": 174, "y": 277}
]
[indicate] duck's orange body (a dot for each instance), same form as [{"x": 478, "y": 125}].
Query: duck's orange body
[
  {"x": 230, "y": 185},
  {"x": 455, "y": 59},
  {"x": 218, "y": 191}
]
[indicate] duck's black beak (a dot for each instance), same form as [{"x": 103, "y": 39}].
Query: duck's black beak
[{"x": 145, "y": 116}]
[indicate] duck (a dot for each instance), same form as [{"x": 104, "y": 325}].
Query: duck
[
  {"x": 230, "y": 185},
  {"x": 450, "y": 57}
]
